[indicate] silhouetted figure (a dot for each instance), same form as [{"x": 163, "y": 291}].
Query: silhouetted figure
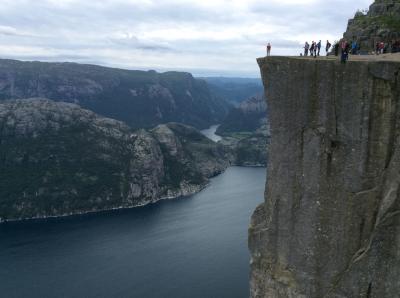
[
  {"x": 354, "y": 48},
  {"x": 318, "y": 47},
  {"x": 328, "y": 46},
  {"x": 269, "y": 49},
  {"x": 337, "y": 49},
  {"x": 306, "y": 48},
  {"x": 312, "y": 49},
  {"x": 344, "y": 46}
]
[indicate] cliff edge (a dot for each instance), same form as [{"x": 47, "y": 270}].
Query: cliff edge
[{"x": 330, "y": 225}]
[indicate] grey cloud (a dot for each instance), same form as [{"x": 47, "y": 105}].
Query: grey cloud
[
  {"x": 135, "y": 42},
  {"x": 87, "y": 31}
]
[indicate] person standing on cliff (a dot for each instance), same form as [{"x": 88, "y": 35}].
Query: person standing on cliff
[
  {"x": 344, "y": 46},
  {"x": 328, "y": 46},
  {"x": 318, "y": 47},
  {"x": 381, "y": 47},
  {"x": 354, "y": 48},
  {"x": 312, "y": 48},
  {"x": 306, "y": 48},
  {"x": 336, "y": 48},
  {"x": 377, "y": 48},
  {"x": 269, "y": 49}
]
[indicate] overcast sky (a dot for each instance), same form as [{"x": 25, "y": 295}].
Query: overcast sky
[{"x": 205, "y": 37}]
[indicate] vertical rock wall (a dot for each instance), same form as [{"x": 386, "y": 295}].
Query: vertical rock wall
[{"x": 330, "y": 225}]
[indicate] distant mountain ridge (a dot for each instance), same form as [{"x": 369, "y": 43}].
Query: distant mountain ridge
[
  {"x": 142, "y": 99},
  {"x": 234, "y": 90}
]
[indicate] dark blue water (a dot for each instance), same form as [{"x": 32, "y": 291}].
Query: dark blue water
[{"x": 190, "y": 247}]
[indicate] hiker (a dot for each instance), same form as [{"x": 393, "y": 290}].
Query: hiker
[
  {"x": 336, "y": 49},
  {"x": 395, "y": 46},
  {"x": 344, "y": 46},
  {"x": 381, "y": 47},
  {"x": 268, "y": 49},
  {"x": 319, "y": 47},
  {"x": 377, "y": 48},
  {"x": 328, "y": 46},
  {"x": 306, "y": 48},
  {"x": 312, "y": 48},
  {"x": 354, "y": 48}
]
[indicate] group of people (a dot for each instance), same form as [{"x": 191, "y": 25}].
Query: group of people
[
  {"x": 345, "y": 48},
  {"x": 314, "y": 48},
  {"x": 396, "y": 46},
  {"x": 383, "y": 48}
]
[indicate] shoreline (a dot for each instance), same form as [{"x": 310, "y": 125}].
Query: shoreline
[
  {"x": 64, "y": 215},
  {"x": 182, "y": 195}
]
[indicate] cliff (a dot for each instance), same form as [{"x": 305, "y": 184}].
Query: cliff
[
  {"x": 330, "y": 224},
  {"x": 142, "y": 99},
  {"x": 59, "y": 159}
]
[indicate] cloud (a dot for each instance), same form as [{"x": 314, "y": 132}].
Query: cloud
[
  {"x": 215, "y": 36},
  {"x": 11, "y": 31}
]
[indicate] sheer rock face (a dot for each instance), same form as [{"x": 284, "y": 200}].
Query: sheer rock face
[
  {"x": 330, "y": 225},
  {"x": 381, "y": 23},
  {"x": 59, "y": 159}
]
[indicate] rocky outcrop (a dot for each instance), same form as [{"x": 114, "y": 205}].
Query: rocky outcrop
[
  {"x": 330, "y": 224},
  {"x": 59, "y": 159},
  {"x": 380, "y": 23},
  {"x": 142, "y": 99}
]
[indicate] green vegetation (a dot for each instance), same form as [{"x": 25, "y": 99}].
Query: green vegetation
[{"x": 383, "y": 21}]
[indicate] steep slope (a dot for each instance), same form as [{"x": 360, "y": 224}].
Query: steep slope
[
  {"x": 140, "y": 99},
  {"x": 59, "y": 159},
  {"x": 380, "y": 23},
  {"x": 330, "y": 224}
]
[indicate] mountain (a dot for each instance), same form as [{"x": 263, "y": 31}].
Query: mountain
[
  {"x": 141, "y": 99},
  {"x": 246, "y": 131},
  {"x": 234, "y": 90},
  {"x": 380, "y": 23},
  {"x": 58, "y": 159}
]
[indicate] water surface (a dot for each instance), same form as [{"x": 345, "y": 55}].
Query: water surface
[{"x": 189, "y": 247}]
